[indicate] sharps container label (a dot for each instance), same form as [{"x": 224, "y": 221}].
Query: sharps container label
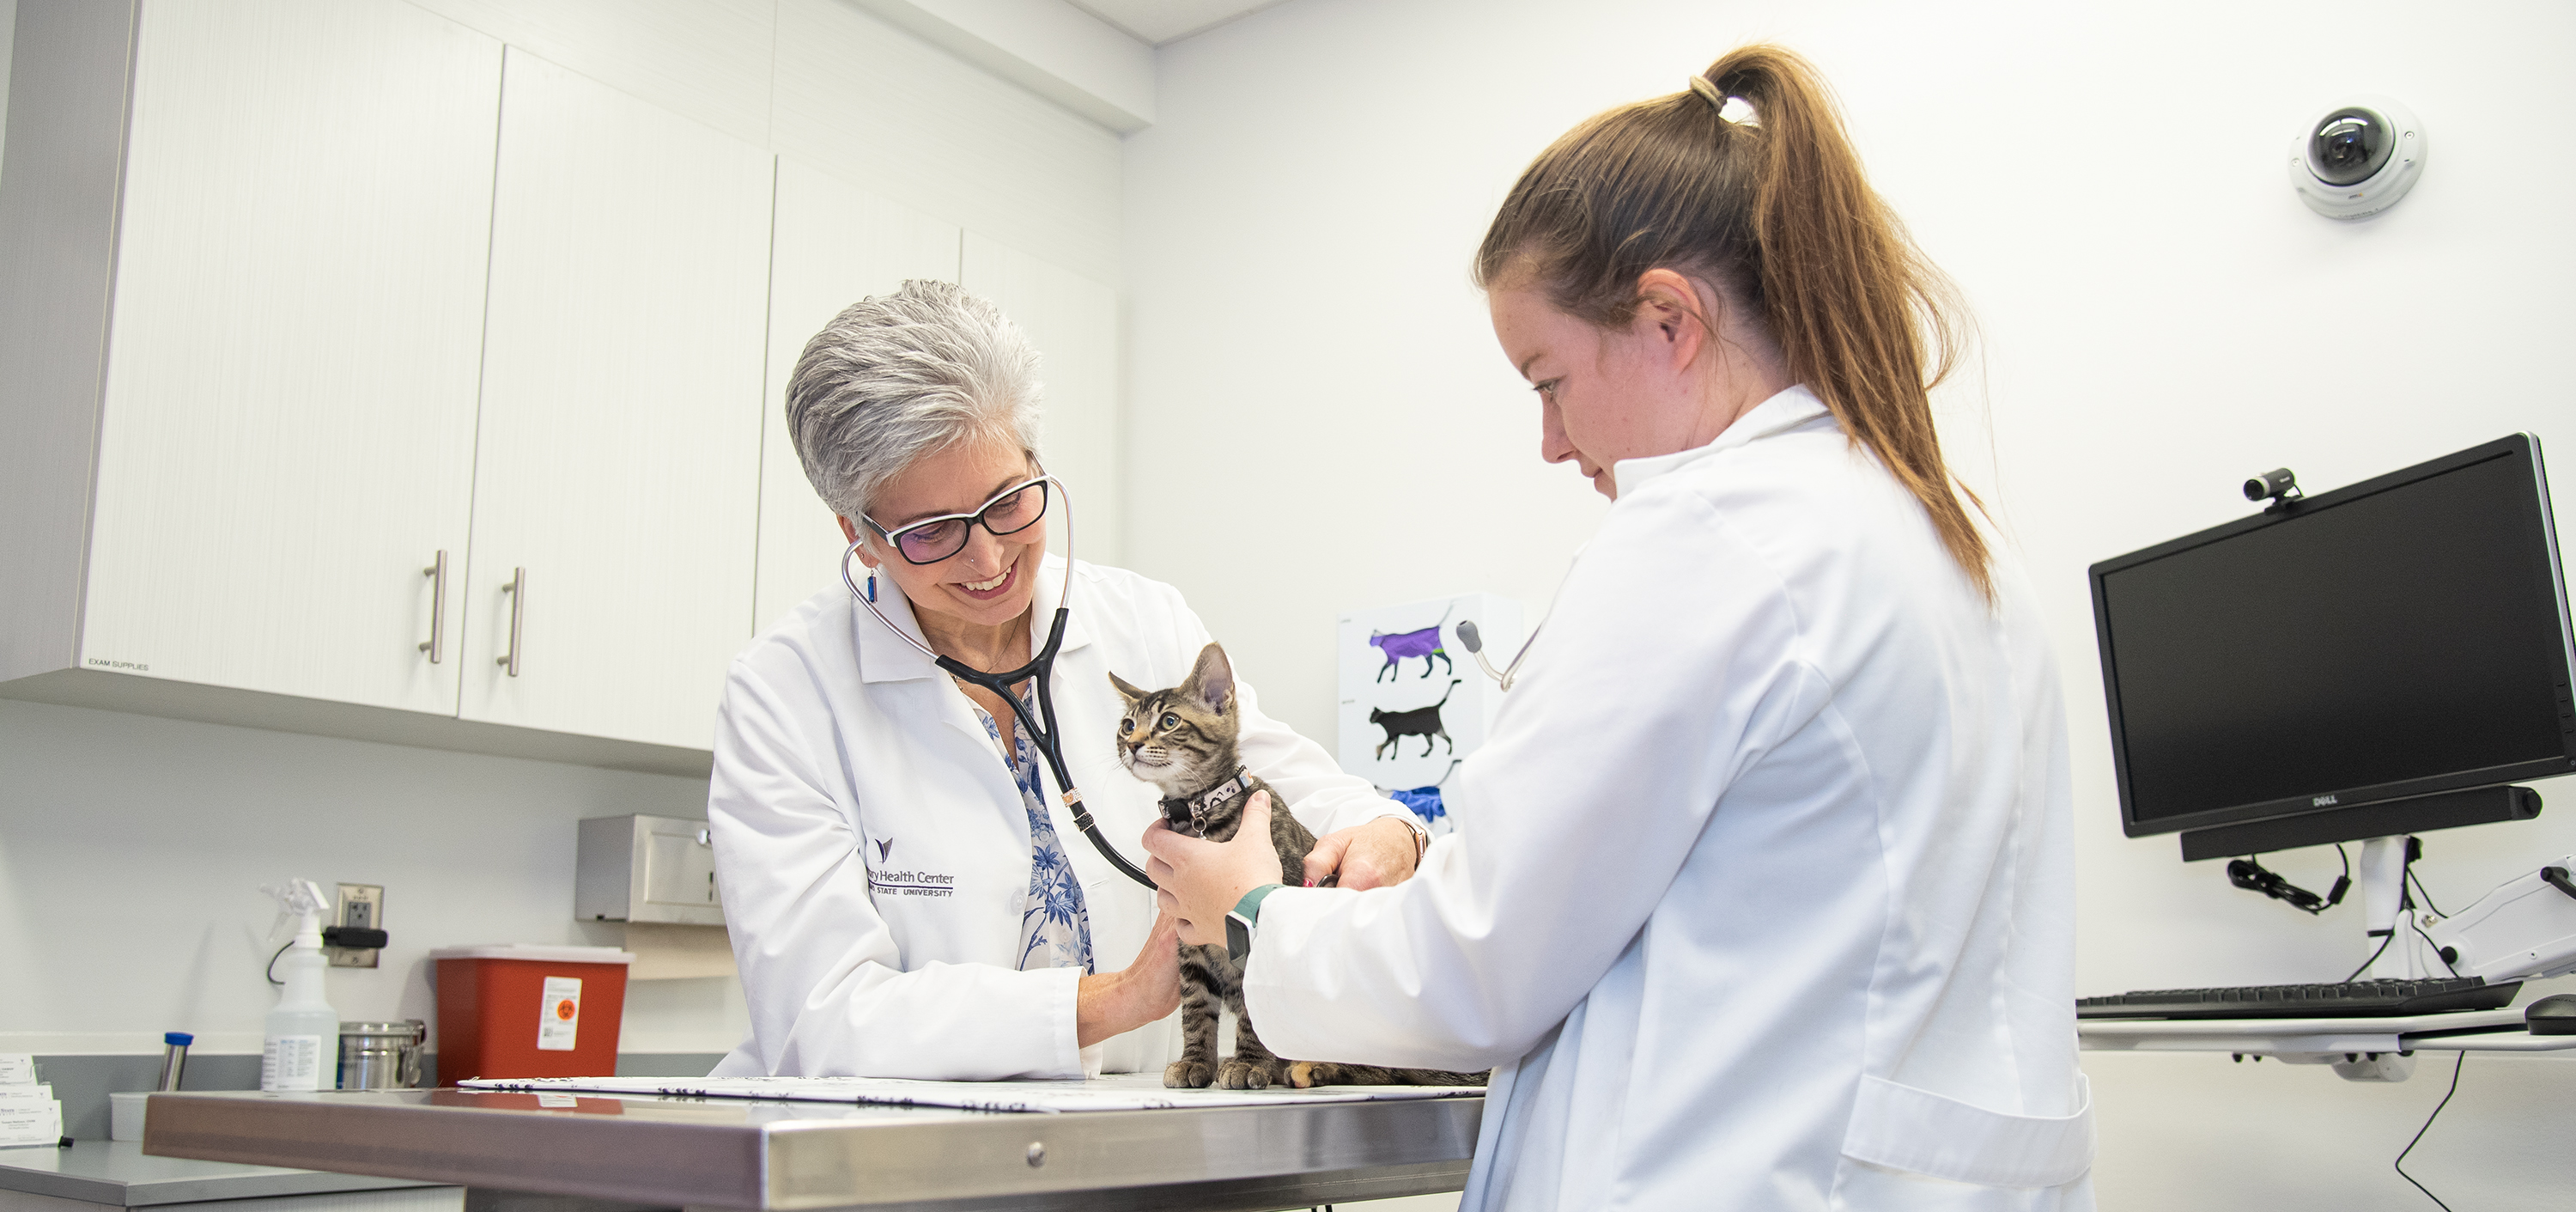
[{"x": 559, "y": 1014}]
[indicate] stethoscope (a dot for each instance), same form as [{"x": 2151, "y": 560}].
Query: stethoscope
[
  {"x": 1476, "y": 648},
  {"x": 1041, "y": 668}
]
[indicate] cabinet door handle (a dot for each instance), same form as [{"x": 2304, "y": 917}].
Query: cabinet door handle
[
  {"x": 518, "y": 591},
  {"x": 436, "y": 645}
]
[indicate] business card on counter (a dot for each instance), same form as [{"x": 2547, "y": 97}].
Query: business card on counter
[{"x": 31, "y": 1126}]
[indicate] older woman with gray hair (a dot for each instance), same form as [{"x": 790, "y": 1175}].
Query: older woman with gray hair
[{"x": 905, "y": 898}]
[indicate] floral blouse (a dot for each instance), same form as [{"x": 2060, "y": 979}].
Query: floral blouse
[{"x": 1055, "y": 929}]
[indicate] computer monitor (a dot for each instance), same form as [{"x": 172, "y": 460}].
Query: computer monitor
[{"x": 2383, "y": 659}]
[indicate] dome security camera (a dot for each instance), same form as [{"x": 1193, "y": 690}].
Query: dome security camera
[{"x": 2358, "y": 158}]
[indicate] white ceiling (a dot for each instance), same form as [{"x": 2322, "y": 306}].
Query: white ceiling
[{"x": 1160, "y": 21}]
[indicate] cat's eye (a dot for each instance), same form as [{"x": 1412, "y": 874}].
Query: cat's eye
[
  {"x": 1126, "y": 725},
  {"x": 1170, "y": 720}
]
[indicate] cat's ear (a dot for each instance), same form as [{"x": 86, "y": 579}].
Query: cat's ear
[
  {"x": 1212, "y": 680},
  {"x": 1130, "y": 693}
]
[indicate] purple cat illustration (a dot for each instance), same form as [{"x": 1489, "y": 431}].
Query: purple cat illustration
[{"x": 1397, "y": 646}]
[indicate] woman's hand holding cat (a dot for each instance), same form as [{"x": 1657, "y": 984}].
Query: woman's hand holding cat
[
  {"x": 1373, "y": 855},
  {"x": 1199, "y": 881},
  {"x": 1113, "y": 1003}
]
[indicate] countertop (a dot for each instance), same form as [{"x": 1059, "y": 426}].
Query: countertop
[
  {"x": 120, "y": 1173},
  {"x": 669, "y": 1151}
]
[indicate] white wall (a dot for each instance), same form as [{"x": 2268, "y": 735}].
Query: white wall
[
  {"x": 131, "y": 848},
  {"x": 2161, "y": 318}
]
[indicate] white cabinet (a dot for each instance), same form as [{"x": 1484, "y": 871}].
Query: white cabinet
[
  {"x": 616, "y": 480},
  {"x": 1073, "y": 321},
  {"x": 336, "y": 286},
  {"x": 286, "y": 437},
  {"x": 297, "y": 295},
  {"x": 831, "y": 245}
]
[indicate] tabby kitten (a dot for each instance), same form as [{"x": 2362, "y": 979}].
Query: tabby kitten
[{"x": 1182, "y": 741}]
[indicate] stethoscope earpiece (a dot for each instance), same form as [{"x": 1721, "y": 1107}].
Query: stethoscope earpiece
[{"x": 1475, "y": 645}]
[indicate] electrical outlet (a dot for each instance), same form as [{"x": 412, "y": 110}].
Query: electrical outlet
[{"x": 361, "y": 905}]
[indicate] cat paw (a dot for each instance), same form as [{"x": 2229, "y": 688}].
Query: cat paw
[
  {"x": 1188, "y": 1074},
  {"x": 1251, "y": 1075},
  {"x": 1307, "y": 1074}
]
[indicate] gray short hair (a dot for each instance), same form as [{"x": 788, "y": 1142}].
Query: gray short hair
[{"x": 897, "y": 376}]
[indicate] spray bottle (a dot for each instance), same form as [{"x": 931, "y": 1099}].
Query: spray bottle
[{"x": 302, "y": 1049}]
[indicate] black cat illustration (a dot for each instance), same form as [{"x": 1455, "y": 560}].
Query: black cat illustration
[{"x": 1423, "y": 722}]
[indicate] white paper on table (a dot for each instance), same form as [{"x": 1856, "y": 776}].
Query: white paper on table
[
  {"x": 32, "y": 1125},
  {"x": 1126, "y": 1092}
]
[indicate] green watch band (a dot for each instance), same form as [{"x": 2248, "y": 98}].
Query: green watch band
[{"x": 1240, "y": 923}]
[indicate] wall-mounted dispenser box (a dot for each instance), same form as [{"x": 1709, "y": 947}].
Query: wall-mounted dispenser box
[{"x": 646, "y": 869}]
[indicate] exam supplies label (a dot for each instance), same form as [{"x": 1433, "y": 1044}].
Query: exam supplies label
[
  {"x": 291, "y": 1062},
  {"x": 559, "y": 1014}
]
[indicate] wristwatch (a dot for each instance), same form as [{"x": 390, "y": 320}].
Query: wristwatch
[
  {"x": 1421, "y": 835},
  {"x": 1241, "y": 921}
]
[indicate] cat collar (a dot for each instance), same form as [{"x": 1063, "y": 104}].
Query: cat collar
[{"x": 1208, "y": 801}]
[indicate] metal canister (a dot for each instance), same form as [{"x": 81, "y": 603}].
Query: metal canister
[{"x": 381, "y": 1056}]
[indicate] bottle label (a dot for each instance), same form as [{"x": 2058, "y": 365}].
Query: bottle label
[
  {"x": 291, "y": 1062},
  {"x": 559, "y": 1014}
]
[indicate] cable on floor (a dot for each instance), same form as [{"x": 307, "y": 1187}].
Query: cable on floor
[{"x": 2400, "y": 1163}]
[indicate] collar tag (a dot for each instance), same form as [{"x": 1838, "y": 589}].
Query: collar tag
[{"x": 1210, "y": 800}]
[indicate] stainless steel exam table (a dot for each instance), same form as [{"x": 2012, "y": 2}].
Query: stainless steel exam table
[{"x": 524, "y": 1152}]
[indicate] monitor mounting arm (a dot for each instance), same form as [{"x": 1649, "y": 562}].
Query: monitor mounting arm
[{"x": 2395, "y": 942}]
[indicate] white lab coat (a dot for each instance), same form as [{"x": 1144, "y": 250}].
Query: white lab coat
[
  {"x": 1761, "y": 894},
  {"x": 873, "y": 852}
]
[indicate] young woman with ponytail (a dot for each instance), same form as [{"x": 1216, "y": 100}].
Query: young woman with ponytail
[{"x": 1761, "y": 896}]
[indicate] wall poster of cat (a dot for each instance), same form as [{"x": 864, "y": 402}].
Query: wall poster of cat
[{"x": 1412, "y": 700}]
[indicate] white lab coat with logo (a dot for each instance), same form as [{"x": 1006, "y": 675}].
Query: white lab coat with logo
[
  {"x": 1762, "y": 891},
  {"x": 873, "y": 852}
]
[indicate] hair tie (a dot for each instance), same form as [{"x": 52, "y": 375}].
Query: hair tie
[{"x": 1732, "y": 110}]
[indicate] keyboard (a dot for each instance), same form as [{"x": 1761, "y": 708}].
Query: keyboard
[{"x": 2358, "y": 999}]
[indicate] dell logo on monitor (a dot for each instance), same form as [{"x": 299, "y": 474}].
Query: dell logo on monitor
[{"x": 2321, "y": 801}]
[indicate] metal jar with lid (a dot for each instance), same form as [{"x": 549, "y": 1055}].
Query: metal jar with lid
[{"x": 381, "y": 1056}]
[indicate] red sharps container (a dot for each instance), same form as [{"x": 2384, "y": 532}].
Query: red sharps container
[{"x": 529, "y": 1011}]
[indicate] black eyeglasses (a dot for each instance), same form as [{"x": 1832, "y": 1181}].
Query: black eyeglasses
[{"x": 931, "y": 540}]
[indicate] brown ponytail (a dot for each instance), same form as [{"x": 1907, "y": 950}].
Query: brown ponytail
[{"x": 1776, "y": 213}]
